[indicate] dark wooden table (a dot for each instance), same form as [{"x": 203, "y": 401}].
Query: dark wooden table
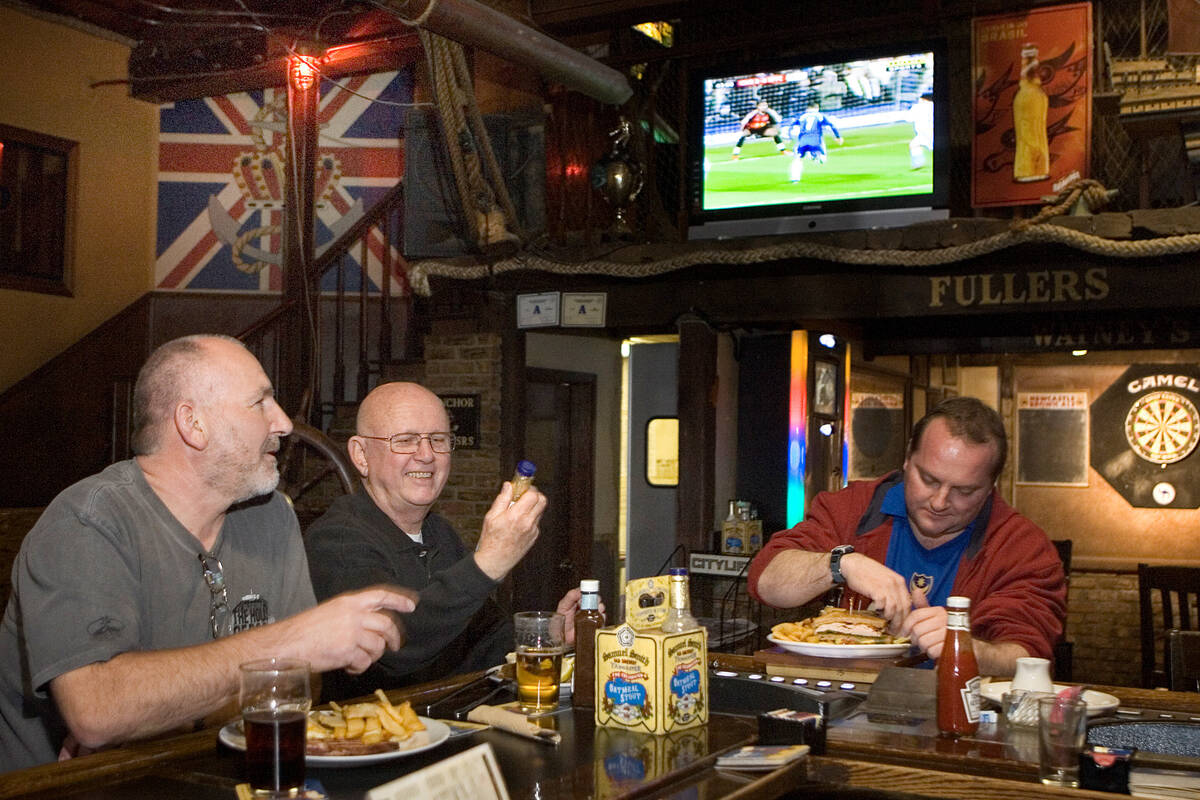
[{"x": 862, "y": 761}]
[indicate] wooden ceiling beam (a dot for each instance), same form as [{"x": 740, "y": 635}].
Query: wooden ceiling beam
[{"x": 161, "y": 74}]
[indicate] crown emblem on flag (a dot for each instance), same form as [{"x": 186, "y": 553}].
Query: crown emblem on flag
[{"x": 261, "y": 176}]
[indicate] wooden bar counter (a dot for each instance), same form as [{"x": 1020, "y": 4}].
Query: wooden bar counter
[{"x": 861, "y": 761}]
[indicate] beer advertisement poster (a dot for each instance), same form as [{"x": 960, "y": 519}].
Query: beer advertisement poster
[{"x": 1032, "y": 113}]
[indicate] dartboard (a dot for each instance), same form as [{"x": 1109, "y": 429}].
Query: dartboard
[{"x": 1162, "y": 427}]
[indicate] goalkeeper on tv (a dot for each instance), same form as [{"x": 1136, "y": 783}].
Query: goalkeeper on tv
[{"x": 762, "y": 122}]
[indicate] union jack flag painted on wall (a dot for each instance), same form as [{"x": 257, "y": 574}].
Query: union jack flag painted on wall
[{"x": 222, "y": 168}]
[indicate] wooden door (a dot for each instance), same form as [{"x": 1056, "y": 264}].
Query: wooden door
[{"x": 560, "y": 432}]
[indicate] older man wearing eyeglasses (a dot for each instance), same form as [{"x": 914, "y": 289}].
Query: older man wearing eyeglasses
[
  {"x": 141, "y": 589},
  {"x": 388, "y": 533}
]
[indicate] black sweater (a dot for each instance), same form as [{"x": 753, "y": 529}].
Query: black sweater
[{"x": 456, "y": 626}]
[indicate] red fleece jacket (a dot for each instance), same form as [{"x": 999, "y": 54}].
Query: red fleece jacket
[{"x": 1010, "y": 570}]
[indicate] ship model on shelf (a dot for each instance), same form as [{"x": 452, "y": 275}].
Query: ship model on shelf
[{"x": 1158, "y": 86}]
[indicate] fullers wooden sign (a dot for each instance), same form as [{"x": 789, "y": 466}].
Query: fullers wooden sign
[{"x": 1018, "y": 288}]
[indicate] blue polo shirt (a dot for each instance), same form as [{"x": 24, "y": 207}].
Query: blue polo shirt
[{"x": 932, "y": 571}]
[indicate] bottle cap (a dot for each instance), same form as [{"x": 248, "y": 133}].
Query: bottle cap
[
  {"x": 526, "y": 468},
  {"x": 958, "y": 602},
  {"x": 677, "y": 571},
  {"x": 589, "y": 585}
]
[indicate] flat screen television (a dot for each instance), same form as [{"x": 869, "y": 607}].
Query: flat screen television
[{"x": 833, "y": 141}]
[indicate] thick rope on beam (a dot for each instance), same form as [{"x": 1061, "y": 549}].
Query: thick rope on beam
[
  {"x": 421, "y": 271},
  {"x": 1035, "y": 230}
]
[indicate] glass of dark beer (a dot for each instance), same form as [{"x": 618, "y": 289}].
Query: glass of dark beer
[{"x": 275, "y": 699}]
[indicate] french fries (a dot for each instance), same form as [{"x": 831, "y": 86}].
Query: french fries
[
  {"x": 368, "y": 723},
  {"x": 801, "y": 631}
]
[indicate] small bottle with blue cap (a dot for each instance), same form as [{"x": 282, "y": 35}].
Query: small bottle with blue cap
[{"x": 522, "y": 479}]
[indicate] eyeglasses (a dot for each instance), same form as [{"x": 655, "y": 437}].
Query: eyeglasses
[
  {"x": 408, "y": 443},
  {"x": 218, "y": 609}
]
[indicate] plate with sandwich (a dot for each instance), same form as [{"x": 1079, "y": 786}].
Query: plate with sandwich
[
  {"x": 838, "y": 633},
  {"x": 358, "y": 734}
]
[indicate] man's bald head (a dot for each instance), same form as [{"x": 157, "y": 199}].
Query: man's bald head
[
  {"x": 385, "y": 407},
  {"x": 404, "y": 485}
]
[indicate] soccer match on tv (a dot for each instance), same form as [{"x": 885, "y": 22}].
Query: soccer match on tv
[{"x": 860, "y": 129}]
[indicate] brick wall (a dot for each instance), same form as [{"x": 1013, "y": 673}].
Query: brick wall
[
  {"x": 469, "y": 363},
  {"x": 1103, "y": 624}
]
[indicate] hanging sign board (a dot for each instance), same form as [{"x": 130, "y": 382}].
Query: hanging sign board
[{"x": 464, "y": 419}]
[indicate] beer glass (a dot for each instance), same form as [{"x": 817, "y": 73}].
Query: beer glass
[
  {"x": 275, "y": 697},
  {"x": 1062, "y": 730},
  {"x": 540, "y": 643}
]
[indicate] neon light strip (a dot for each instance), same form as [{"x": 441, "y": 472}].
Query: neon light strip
[
  {"x": 846, "y": 420},
  {"x": 797, "y": 428}
]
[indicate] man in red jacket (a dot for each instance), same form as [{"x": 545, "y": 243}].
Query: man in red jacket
[{"x": 936, "y": 528}]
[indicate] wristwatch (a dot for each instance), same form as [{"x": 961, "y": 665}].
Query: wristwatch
[{"x": 835, "y": 562}]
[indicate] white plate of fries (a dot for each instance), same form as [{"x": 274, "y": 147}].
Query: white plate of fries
[
  {"x": 827, "y": 650},
  {"x": 378, "y": 723}
]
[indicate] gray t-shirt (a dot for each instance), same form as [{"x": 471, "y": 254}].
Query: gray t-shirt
[{"x": 107, "y": 569}]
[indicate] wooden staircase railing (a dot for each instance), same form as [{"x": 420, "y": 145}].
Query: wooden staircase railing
[{"x": 363, "y": 323}]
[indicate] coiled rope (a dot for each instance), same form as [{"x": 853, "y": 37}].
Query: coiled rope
[
  {"x": 1037, "y": 229},
  {"x": 488, "y": 210}
]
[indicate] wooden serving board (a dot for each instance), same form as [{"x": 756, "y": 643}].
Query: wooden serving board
[{"x": 778, "y": 661}]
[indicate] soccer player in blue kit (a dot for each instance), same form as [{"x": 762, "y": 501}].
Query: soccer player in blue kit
[
  {"x": 762, "y": 121},
  {"x": 809, "y": 132}
]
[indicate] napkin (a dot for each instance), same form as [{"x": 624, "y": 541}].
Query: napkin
[
  {"x": 513, "y": 722},
  {"x": 313, "y": 790}
]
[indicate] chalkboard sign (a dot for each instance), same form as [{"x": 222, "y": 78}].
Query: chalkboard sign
[
  {"x": 1052, "y": 438},
  {"x": 464, "y": 419}
]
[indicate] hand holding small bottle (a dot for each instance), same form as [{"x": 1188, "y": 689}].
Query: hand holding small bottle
[{"x": 510, "y": 527}]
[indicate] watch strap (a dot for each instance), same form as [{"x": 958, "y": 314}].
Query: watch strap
[{"x": 835, "y": 563}]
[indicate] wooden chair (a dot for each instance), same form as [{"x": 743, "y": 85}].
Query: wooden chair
[
  {"x": 1183, "y": 660},
  {"x": 1178, "y": 589}
]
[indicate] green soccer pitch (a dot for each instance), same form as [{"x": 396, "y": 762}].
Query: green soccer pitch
[{"x": 873, "y": 162}]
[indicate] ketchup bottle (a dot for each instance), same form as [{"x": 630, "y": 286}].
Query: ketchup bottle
[{"x": 958, "y": 674}]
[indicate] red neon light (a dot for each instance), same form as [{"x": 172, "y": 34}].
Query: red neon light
[{"x": 303, "y": 71}]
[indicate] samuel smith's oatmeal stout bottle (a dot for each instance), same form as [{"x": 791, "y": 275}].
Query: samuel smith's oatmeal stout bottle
[{"x": 958, "y": 674}]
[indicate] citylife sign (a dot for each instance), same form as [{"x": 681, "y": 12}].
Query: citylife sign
[
  {"x": 709, "y": 564},
  {"x": 1018, "y": 288}
]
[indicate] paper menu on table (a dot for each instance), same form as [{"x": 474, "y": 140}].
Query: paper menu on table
[
  {"x": 472, "y": 773},
  {"x": 1167, "y": 783},
  {"x": 762, "y": 756}
]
